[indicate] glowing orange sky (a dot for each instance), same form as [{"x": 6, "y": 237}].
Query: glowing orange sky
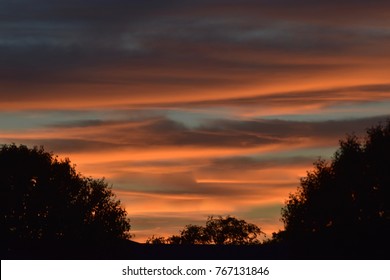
[{"x": 197, "y": 108}]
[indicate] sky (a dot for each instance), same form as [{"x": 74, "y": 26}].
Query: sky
[{"x": 193, "y": 108}]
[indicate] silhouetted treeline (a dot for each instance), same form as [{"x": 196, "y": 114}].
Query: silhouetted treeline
[
  {"x": 342, "y": 207},
  {"x": 44, "y": 200},
  {"x": 341, "y": 210},
  {"x": 218, "y": 230}
]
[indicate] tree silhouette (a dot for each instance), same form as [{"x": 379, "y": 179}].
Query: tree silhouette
[
  {"x": 218, "y": 230},
  {"x": 232, "y": 231},
  {"x": 155, "y": 240},
  {"x": 44, "y": 198},
  {"x": 344, "y": 205},
  {"x": 193, "y": 234}
]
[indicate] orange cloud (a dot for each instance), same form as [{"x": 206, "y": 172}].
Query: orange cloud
[{"x": 220, "y": 116}]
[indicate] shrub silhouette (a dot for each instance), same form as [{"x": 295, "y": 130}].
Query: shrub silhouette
[
  {"x": 156, "y": 240},
  {"x": 232, "y": 231},
  {"x": 44, "y": 198},
  {"x": 218, "y": 230},
  {"x": 344, "y": 205}
]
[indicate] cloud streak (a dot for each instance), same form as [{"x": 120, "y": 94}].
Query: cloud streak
[{"x": 63, "y": 54}]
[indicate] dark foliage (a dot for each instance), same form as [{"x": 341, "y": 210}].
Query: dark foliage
[
  {"x": 44, "y": 199},
  {"x": 342, "y": 208},
  {"x": 218, "y": 230},
  {"x": 156, "y": 240}
]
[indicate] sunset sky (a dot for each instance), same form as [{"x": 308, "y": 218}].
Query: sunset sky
[{"x": 193, "y": 108}]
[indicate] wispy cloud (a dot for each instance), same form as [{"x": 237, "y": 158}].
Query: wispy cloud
[{"x": 58, "y": 55}]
